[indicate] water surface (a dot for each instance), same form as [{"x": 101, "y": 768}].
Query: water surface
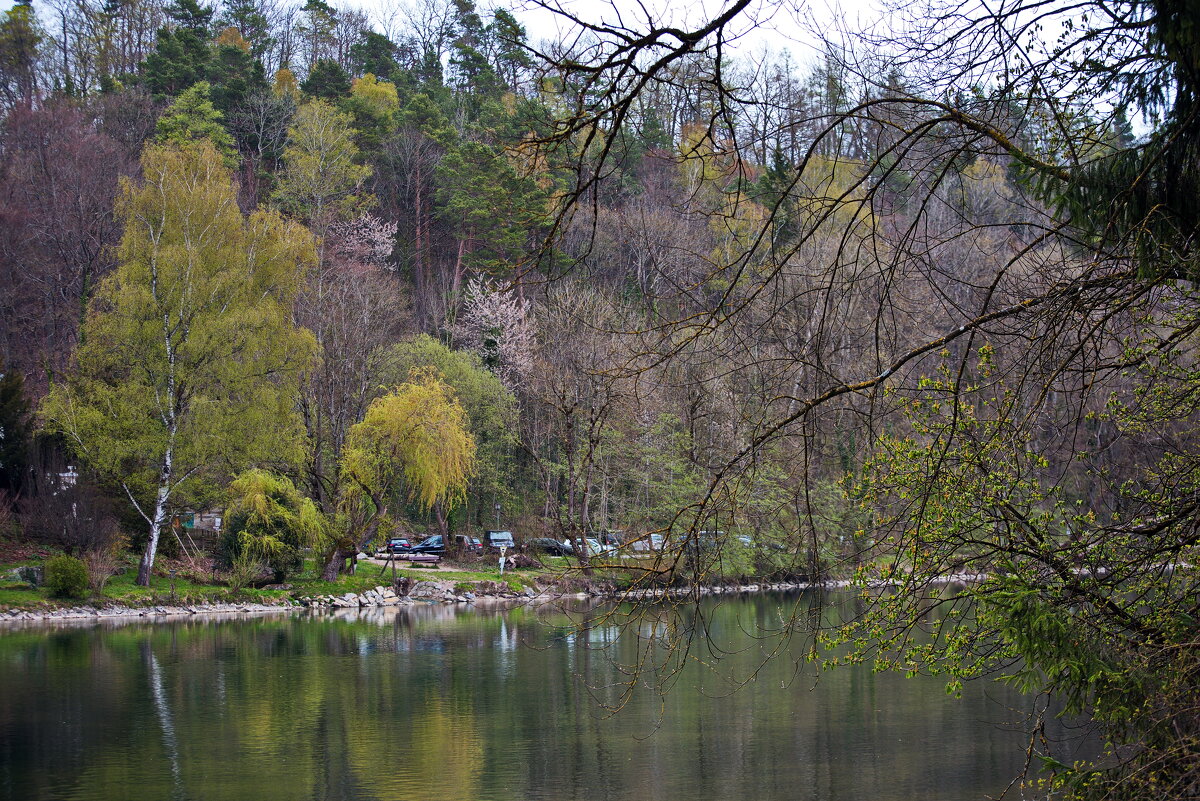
[{"x": 437, "y": 702}]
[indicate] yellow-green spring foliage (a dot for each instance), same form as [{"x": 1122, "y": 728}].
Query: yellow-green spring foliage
[
  {"x": 268, "y": 520},
  {"x": 414, "y": 440}
]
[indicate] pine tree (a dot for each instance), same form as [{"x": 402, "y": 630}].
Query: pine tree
[
  {"x": 193, "y": 118},
  {"x": 14, "y": 431}
]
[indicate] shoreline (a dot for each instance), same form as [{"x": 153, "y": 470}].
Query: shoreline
[{"x": 423, "y": 592}]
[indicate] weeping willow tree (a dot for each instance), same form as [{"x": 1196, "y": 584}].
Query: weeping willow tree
[{"x": 413, "y": 446}]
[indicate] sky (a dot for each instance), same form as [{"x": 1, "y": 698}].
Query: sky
[
  {"x": 773, "y": 23},
  {"x": 776, "y": 25}
]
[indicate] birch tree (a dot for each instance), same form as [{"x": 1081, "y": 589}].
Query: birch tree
[{"x": 190, "y": 360}]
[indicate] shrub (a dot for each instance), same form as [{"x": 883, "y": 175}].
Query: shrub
[
  {"x": 244, "y": 570},
  {"x": 101, "y": 566},
  {"x": 268, "y": 522},
  {"x": 66, "y": 577},
  {"x": 64, "y": 507}
]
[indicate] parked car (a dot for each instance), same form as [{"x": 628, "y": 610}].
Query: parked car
[
  {"x": 395, "y": 545},
  {"x": 494, "y": 540},
  {"x": 705, "y": 540},
  {"x": 613, "y": 539},
  {"x": 550, "y": 546},
  {"x": 468, "y": 544},
  {"x": 434, "y": 545},
  {"x": 651, "y": 542}
]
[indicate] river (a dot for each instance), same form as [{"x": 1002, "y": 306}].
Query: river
[{"x": 449, "y": 703}]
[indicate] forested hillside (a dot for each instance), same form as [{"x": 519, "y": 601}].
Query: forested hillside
[
  {"x": 448, "y": 235},
  {"x": 922, "y": 306}
]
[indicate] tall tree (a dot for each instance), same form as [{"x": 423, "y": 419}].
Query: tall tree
[
  {"x": 491, "y": 411},
  {"x": 58, "y": 182},
  {"x": 190, "y": 359},
  {"x": 405, "y": 178},
  {"x": 234, "y": 72},
  {"x": 321, "y": 181},
  {"x": 192, "y": 118},
  {"x": 251, "y": 20},
  {"x": 327, "y": 81},
  {"x": 20, "y": 40},
  {"x": 181, "y": 53}
]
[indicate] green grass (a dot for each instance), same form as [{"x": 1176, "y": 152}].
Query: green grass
[
  {"x": 181, "y": 590},
  {"x": 20, "y": 596}
]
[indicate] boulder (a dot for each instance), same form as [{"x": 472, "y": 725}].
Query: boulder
[{"x": 30, "y": 574}]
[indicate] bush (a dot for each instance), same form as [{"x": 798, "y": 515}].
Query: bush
[
  {"x": 101, "y": 566},
  {"x": 244, "y": 570},
  {"x": 268, "y": 522},
  {"x": 66, "y": 577}
]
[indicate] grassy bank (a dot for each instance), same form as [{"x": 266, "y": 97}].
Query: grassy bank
[
  {"x": 188, "y": 586},
  {"x": 177, "y": 582}
]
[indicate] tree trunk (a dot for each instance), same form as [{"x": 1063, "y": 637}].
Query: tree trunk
[
  {"x": 443, "y": 523},
  {"x": 333, "y": 564},
  {"x": 160, "y": 513}
]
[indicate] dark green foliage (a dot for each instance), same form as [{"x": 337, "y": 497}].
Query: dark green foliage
[
  {"x": 234, "y": 74},
  {"x": 422, "y": 114},
  {"x": 327, "y": 81},
  {"x": 1143, "y": 197},
  {"x": 181, "y": 54},
  {"x": 192, "y": 17},
  {"x": 508, "y": 44},
  {"x": 248, "y": 18},
  {"x": 20, "y": 39},
  {"x": 377, "y": 55},
  {"x": 653, "y": 134},
  {"x": 470, "y": 69},
  {"x": 15, "y": 427},
  {"x": 268, "y": 521},
  {"x": 486, "y": 202},
  {"x": 774, "y": 190},
  {"x": 179, "y": 60},
  {"x": 66, "y": 577}
]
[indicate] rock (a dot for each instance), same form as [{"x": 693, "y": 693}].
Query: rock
[{"x": 30, "y": 574}]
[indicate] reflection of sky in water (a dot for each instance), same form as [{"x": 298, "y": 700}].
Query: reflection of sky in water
[{"x": 442, "y": 702}]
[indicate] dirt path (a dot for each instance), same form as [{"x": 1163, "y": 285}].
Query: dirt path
[{"x": 403, "y": 565}]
